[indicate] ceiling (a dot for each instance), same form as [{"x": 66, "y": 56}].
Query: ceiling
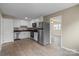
[{"x": 32, "y": 10}]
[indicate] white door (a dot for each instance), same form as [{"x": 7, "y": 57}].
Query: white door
[{"x": 7, "y": 27}]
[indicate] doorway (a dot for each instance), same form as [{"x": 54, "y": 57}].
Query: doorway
[{"x": 55, "y": 30}]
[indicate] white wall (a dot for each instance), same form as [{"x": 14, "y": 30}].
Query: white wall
[
  {"x": 18, "y": 23},
  {"x": 70, "y": 28}
]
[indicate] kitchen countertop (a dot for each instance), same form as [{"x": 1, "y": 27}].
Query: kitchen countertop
[{"x": 28, "y": 29}]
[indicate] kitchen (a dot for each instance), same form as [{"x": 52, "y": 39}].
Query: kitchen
[{"x": 36, "y": 29}]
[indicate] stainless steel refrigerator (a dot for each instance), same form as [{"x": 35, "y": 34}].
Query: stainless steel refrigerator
[{"x": 44, "y": 34}]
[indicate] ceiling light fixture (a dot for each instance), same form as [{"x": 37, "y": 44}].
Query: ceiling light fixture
[{"x": 26, "y": 17}]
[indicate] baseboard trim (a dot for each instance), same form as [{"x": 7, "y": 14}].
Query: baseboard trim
[
  {"x": 68, "y": 49},
  {"x": 7, "y": 42}
]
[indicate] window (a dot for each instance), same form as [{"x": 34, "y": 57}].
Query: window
[{"x": 57, "y": 26}]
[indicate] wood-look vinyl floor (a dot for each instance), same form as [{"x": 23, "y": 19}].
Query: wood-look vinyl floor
[{"x": 27, "y": 47}]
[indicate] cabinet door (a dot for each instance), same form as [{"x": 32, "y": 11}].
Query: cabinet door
[{"x": 24, "y": 35}]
